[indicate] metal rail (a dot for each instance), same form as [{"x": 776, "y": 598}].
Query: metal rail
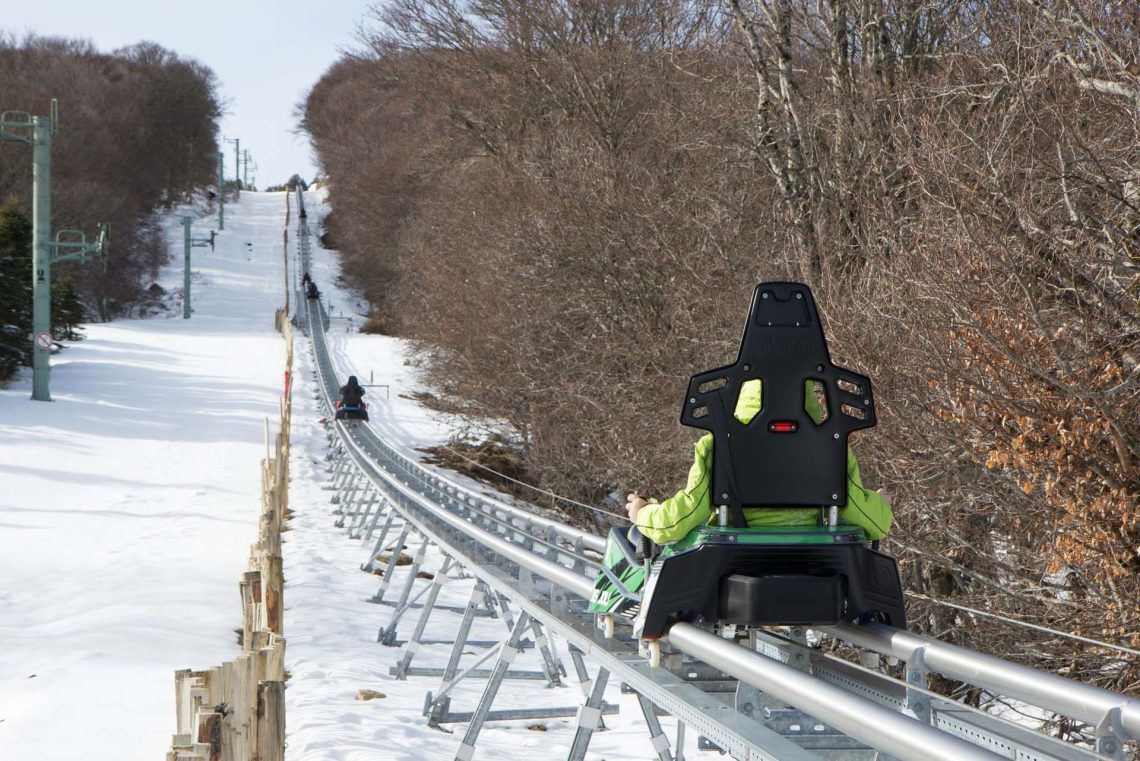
[
  {"x": 529, "y": 551},
  {"x": 1116, "y": 714}
]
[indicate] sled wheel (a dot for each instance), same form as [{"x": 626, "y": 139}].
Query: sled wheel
[
  {"x": 651, "y": 649},
  {"x": 606, "y": 624}
]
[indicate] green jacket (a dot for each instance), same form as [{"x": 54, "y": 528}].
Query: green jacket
[{"x": 672, "y": 519}]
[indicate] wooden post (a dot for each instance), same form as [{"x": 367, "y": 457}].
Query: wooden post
[
  {"x": 271, "y": 721},
  {"x": 275, "y": 665},
  {"x": 210, "y": 734},
  {"x": 249, "y": 706},
  {"x": 232, "y": 731},
  {"x": 183, "y": 706},
  {"x": 250, "y": 586},
  {"x": 212, "y": 682},
  {"x": 274, "y": 604}
]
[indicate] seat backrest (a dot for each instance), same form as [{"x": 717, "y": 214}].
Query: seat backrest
[{"x": 781, "y": 457}]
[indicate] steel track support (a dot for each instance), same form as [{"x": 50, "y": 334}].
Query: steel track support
[
  {"x": 507, "y": 653},
  {"x": 401, "y": 670},
  {"x": 357, "y": 497},
  {"x": 345, "y": 488},
  {"x": 656, "y": 734},
  {"x": 378, "y": 545},
  {"x": 340, "y": 474},
  {"x": 387, "y": 635},
  {"x": 461, "y": 635},
  {"x": 400, "y": 611},
  {"x": 580, "y": 669},
  {"x": 438, "y": 708},
  {"x": 579, "y": 557},
  {"x": 550, "y": 663},
  {"x": 335, "y": 471},
  {"x": 551, "y": 668},
  {"x": 381, "y": 507},
  {"x": 348, "y": 502},
  {"x": 490, "y": 606},
  {"x": 799, "y": 656},
  {"x": 347, "y": 479},
  {"x": 393, "y": 560},
  {"x": 589, "y": 717},
  {"x": 368, "y": 510}
]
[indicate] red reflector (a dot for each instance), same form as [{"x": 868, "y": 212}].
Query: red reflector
[{"x": 783, "y": 426}]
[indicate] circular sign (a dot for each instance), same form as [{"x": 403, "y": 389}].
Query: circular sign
[{"x": 43, "y": 340}]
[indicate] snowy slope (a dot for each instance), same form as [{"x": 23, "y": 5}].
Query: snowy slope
[{"x": 128, "y": 504}]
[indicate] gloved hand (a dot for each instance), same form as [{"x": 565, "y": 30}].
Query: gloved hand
[{"x": 633, "y": 503}]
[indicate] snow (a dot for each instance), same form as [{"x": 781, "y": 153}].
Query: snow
[
  {"x": 129, "y": 503},
  {"x": 127, "y": 507}
]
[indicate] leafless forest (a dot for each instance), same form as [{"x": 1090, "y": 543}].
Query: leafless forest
[
  {"x": 569, "y": 201},
  {"x": 137, "y": 131}
]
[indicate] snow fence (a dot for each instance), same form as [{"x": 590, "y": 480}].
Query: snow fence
[{"x": 236, "y": 711}]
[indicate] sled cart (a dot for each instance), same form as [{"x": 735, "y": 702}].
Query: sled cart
[{"x": 727, "y": 573}]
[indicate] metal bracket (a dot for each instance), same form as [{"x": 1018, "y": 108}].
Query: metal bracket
[
  {"x": 916, "y": 682},
  {"x": 1110, "y": 735}
]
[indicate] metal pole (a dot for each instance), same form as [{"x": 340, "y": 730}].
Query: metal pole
[
  {"x": 237, "y": 165},
  {"x": 245, "y": 171},
  {"x": 186, "y": 268},
  {"x": 285, "y": 251},
  {"x": 221, "y": 191},
  {"x": 41, "y": 256}
]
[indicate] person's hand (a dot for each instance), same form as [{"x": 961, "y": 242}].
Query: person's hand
[{"x": 633, "y": 503}]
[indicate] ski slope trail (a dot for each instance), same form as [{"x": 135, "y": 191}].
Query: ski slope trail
[{"x": 128, "y": 504}]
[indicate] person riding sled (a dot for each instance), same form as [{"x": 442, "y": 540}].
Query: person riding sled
[
  {"x": 351, "y": 404},
  {"x": 774, "y": 526},
  {"x": 672, "y": 519}
]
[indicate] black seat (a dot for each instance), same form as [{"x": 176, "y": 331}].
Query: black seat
[{"x": 781, "y": 458}]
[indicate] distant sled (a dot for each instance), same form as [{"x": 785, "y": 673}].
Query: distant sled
[{"x": 352, "y": 411}]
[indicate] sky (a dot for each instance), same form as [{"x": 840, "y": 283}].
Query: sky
[{"x": 266, "y": 54}]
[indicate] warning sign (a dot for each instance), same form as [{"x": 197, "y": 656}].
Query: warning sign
[{"x": 43, "y": 340}]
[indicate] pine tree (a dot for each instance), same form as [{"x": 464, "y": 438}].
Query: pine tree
[
  {"x": 67, "y": 311},
  {"x": 15, "y": 288}
]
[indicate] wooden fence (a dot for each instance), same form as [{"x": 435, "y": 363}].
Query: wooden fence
[{"x": 236, "y": 711}]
